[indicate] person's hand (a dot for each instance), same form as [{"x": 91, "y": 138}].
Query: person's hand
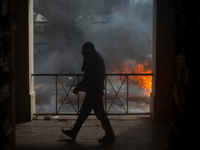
[{"x": 75, "y": 91}]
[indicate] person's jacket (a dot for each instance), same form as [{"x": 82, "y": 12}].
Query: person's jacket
[{"x": 94, "y": 73}]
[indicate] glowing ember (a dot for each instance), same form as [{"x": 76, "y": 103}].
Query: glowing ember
[{"x": 131, "y": 67}]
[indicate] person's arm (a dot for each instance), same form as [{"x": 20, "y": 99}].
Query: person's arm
[{"x": 83, "y": 85}]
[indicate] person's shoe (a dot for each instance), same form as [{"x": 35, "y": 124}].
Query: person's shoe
[
  {"x": 70, "y": 133},
  {"x": 107, "y": 138}
]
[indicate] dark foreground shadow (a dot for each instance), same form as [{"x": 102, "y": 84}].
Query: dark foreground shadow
[
  {"x": 67, "y": 140},
  {"x": 131, "y": 134},
  {"x": 69, "y": 145}
]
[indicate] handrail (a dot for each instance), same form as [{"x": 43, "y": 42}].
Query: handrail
[{"x": 108, "y": 74}]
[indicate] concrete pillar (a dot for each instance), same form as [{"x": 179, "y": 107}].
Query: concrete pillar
[
  {"x": 163, "y": 52},
  {"x": 25, "y": 95}
]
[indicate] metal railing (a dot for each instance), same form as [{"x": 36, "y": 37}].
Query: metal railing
[{"x": 76, "y": 79}]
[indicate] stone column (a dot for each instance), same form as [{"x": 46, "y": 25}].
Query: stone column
[
  {"x": 163, "y": 61},
  {"x": 24, "y": 84}
]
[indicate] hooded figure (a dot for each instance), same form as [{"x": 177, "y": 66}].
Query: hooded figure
[
  {"x": 94, "y": 69},
  {"x": 93, "y": 84}
]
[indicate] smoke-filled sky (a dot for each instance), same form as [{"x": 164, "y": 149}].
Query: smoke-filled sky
[{"x": 119, "y": 31}]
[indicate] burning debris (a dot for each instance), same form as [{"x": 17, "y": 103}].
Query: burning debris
[{"x": 132, "y": 67}]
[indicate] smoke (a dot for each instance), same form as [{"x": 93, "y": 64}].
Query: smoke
[
  {"x": 116, "y": 34},
  {"x": 119, "y": 31}
]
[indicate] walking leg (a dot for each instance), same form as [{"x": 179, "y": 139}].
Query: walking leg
[
  {"x": 84, "y": 113},
  {"x": 102, "y": 116}
]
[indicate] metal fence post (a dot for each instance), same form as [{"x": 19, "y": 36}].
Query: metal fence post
[
  {"x": 56, "y": 96},
  {"x": 78, "y": 95},
  {"x": 127, "y": 93},
  {"x": 105, "y": 93}
]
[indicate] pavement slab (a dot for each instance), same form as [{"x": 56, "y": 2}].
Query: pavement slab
[{"x": 132, "y": 133}]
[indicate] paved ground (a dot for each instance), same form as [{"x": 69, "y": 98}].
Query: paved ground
[{"x": 132, "y": 133}]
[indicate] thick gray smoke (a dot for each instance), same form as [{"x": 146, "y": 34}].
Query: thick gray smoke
[{"x": 119, "y": 31}]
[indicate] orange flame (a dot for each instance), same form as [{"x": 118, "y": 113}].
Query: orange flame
[{"x": 145, "y": 82}]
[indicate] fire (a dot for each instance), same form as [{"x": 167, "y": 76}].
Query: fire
[{"x": 144, "y": 82}]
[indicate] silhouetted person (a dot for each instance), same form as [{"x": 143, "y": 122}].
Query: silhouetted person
[{"x": 93, "y": 84}]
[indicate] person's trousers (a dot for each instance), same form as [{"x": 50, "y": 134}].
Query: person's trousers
[{"x": 93, "y": 101}]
